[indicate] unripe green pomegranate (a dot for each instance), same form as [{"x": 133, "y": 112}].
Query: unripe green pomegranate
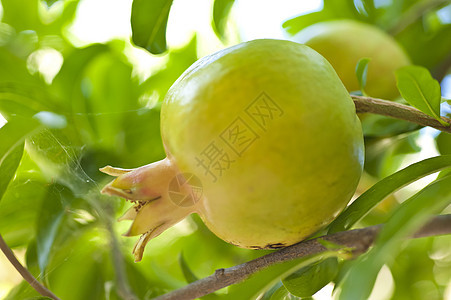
[
  {"x": 344, "y": 42},
  {"x": 262, "y": 141}
]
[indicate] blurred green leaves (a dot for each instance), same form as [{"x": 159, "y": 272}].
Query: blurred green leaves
[
  {"x": 365, "y": 202},
  {"x": 96, "y": 111},
  {"x": 178, "y": 61},
  {"x": 407, "y": 218},
  {"x": 149, "y": 20}
]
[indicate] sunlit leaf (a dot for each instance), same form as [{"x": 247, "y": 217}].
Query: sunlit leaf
[
  {"x": 19, "y": 209},
  {"x": 417, "y": 86},
  {"x": 149, "y": 20},
  {"x": 13, "y": 134},
  {"x": 361, "y": 71},
  {"x": 407, "y": 218},
  {"x": 8, "y": 166},
  {"x": 52, "y": 211},
  {"x": 332, "y": 9},
  {"x": 221, "y": 10},
  {"x": 365, "y": 202}
]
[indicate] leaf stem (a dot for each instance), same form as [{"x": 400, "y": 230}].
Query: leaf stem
[
  {"x": 358, "y": 239},
  {"x": 399, "y": 111},
  {"x": 24, "y": 272}
]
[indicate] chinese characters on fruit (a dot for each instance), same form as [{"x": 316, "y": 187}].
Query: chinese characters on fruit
[{"x": 218, "y": 156}]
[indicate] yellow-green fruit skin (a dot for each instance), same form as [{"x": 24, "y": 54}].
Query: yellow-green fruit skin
[
  {"x": 344, "y": 42},
  {"x": 302, "y": 167}
]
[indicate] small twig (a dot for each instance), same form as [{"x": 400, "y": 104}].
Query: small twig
[
  {"x": 398, "y": 111},
  {"x": 359, "y": 240},
  {"x": 24, "y": 272}
]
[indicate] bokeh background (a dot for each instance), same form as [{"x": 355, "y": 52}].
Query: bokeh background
[{"x": 75, "y": 58}]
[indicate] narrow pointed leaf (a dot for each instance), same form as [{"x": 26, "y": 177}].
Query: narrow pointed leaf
[
  {"x": 9, "y": 166},
  {"x": 221, "y": 10},
  {"x": 149, "y": 19},
  {"x": 12, "y": 137},
  {"x": 187, "y": 273},
  {"x": 408, "y": 217},
  {"x": 417, "y": 86},
  {"x": 52, "y": 211},
  {"x": 363, "y": 204},
  {"x": 361, "y": 71}
]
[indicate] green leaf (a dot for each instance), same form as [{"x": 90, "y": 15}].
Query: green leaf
[
  {"x": 281, "y": 294},
  {"x": 8, "y": 167},
  {"x": 149, "y": 20},
  {"x": 425, "y": 47},
  {"x": 20, "y": 18},
  {"x": 408, "y": 217},
  {"x": 187, "y": 273},
  {"x": 365, "y": 202},
  {"x": 443, "y": 142},
  {"x": 13, "y": 134},
  {"x": 52, "y": 211},
  {"x": 260, "y": 282},
  {"x": 361, "y": 71},
  {"x": 310, "y": 279},
  {"x": 417, "y": 86},
  {"x": 381, "y": 126},
  {"x": 191, "y": 277},
  {"x": 22, "y": 291},
  {"x": 82, "y": 261},
  {"x": 20, "y": 206},
  {"x": 332, "y": 9},
  {"x": 221, "y": 10}
]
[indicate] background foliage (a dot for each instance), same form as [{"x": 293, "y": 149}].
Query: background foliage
[{"x": 64, "y": 124}]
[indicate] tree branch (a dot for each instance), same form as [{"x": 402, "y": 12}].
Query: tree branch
[
  {"x": 398, "y": 111},
  {"x": 24, "y": 272},
  {"x": 359, "y": 240}
]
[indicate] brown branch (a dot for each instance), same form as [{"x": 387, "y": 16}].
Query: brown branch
[
  {"x": 24, "y": 272},
  {"x": 359, "y": 240},
  {"x": 398, "y": 111}
]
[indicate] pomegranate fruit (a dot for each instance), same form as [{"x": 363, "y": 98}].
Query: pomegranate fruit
[
  {"x": 344, "y": 42},
  {"x": 262, "y": 141}
]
